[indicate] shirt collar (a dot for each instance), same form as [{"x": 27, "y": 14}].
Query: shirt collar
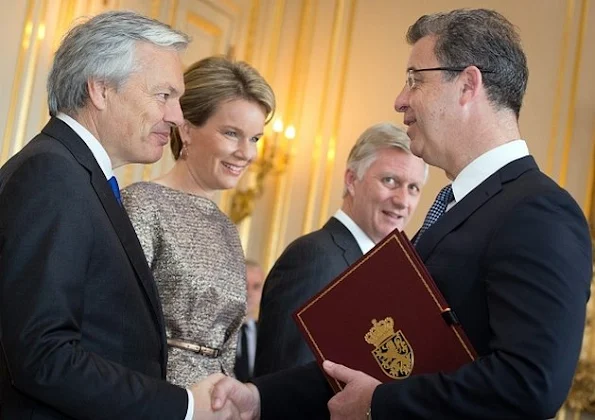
[
  {"x": 486, "y": 165},
  {"x": 92, "y": 143},
  {"x": 363, "y": 241}
]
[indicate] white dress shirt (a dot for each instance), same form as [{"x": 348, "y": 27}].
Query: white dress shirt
[
  {"x": 99, "y": 153},
  {"x": 485, "y": 166},
  {"x": 363, "y": 241},
  {"x": 105, "y": 163}
]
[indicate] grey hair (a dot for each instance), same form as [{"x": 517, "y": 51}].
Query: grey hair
[
  {"x": 377, "y": 137},
  {"x": 103, "y": 48},
  {"x": 482, "y": 38}
]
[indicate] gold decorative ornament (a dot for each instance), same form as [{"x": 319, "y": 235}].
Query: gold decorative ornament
[
  {"x": 392, "y": 350},
  {"x": 582, "y": 393}
]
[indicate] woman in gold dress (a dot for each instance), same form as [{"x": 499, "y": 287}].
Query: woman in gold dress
[{"x": 194, "y": 249}]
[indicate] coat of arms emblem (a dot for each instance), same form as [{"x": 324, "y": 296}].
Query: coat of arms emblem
[{"x": 392, "y": 350}]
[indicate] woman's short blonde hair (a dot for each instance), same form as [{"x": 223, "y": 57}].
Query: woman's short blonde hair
[{"x": 217, "y": 79}]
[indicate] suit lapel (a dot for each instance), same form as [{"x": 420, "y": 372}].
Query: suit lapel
[
  {"x": 471, "y": 203},
  {"x": 344, "y": 240},
  {"x": 116, "y": 214}
]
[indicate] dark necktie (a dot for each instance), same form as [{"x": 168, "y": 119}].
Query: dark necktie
[
  {"x": 242, "y": 369},
  {"x": 113, "y": 183},
  {"x": 444, "y": 197}
]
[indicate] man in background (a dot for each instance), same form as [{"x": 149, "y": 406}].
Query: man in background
[
  {"x": 246, "y": 350},
  {"x": 383, "y": 183},
  {"x": 81, "y": 329}
]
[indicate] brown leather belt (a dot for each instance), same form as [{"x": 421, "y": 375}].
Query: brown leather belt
[{"x": 184, "y": 345}]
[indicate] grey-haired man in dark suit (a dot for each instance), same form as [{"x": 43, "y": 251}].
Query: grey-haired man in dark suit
[{"x": 383, "y": 182}]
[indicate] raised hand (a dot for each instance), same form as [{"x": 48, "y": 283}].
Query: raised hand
[
  {"x": 245, "y": 397},
  {"x": 354, "y": 400}
]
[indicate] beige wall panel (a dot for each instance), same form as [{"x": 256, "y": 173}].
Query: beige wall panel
[
  {"x": 210, "y": 29},
  {"x": 581, "y": 150},
  {"x": 12, "y": 22},
  {"x": 317, "y": 116},
  {"x": 281, "y": 63}
]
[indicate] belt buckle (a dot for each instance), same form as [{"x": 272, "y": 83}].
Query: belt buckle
[{"x": 209, "y": 352}]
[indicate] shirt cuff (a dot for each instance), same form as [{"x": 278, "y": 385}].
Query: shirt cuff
[{"x": 190, "y": 412}]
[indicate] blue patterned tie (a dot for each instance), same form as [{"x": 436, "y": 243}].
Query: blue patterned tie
[
  {"x": 444, "y": 197},
  {"x": 113, "y": 183}
]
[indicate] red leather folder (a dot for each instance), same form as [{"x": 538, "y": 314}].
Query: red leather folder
[{"x": 385, "y": 316}]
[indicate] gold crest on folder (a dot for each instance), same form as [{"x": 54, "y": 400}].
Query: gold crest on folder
[{"x": 392, "y": 350}]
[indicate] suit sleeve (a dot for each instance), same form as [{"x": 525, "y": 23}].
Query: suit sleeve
[
  {"x": 537, "y": 271},
  {"x": 294, "y": 394},
  {"x": 47, "y": 242},
  {"x": 301, "y": 271}
]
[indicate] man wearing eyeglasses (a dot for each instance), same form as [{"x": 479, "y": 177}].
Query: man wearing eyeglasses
[{"x": 509, "y": 249}]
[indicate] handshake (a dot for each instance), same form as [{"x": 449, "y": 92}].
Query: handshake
[{"x": 222, "y": 397}]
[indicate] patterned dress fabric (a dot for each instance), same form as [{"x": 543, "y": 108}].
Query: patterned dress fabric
[{"x": 197, "y": 260}]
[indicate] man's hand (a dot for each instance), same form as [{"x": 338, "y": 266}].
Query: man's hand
[
  {"x": 354, "y": 401},
  {"x": 245, "y": 398},
  {"x": 201, "y": 392}
]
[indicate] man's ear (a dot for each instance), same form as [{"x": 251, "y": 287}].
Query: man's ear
[
  {"x": 471, "y": 84},
  {"x": 98, "y": 91},
  {"x": 350, "y": 178}
]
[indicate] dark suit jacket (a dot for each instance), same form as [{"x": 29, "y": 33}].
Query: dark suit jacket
[
  {"x": 81, "y": 328},
  {"x": 305, "y": 267},
  {"x": 513, "y": 259}
]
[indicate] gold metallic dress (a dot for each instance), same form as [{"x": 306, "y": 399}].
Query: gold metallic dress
[{"x": 195, "y": 254}]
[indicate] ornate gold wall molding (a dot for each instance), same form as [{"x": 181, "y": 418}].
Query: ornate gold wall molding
[
  {"x": 37, "y": 32},
  {"x": 271, "y": 68},
  {"x": 207, "y": 27},
  {"x": 560, "y": 82},
  {"x": 332, "y": 148},
  {"x": 252, "y": 25},
  {"x": 570, "y": 117},
  {"x": 582, "y": 394},
  {"x": 292, "y": 113},
  {"x": 228, "y": 198},
  {"x": 7, "y": 141},
  {"x": 332, "y": 69}
]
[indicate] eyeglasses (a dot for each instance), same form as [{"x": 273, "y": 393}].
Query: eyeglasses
[{"x": 411, "y": 73}]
